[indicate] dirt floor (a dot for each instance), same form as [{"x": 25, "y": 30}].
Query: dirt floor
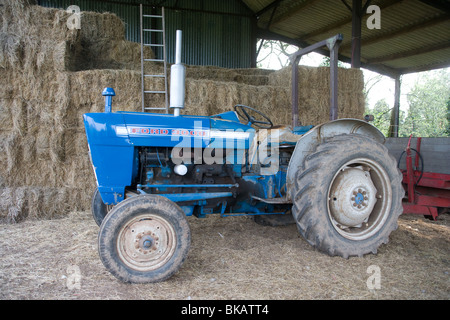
[{"x": 230, "y": 258}]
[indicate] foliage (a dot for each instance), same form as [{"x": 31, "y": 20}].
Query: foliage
[
  {"x": 428, "y": 114},
  {"x": 326, "y": 62},
  {"x": 428, "y": 106},
  {"x": 448, "y": 116},
  {"x": 381, "y": 113}
]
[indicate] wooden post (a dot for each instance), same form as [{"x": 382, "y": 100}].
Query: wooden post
[
  {"x": 393, "y": 128},
  {"x": 356, "y": 33}
]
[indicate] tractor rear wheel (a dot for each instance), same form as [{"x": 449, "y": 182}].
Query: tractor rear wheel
[
  {"x": 144, "y": 239},
  {"x": 348, "y": 196}
]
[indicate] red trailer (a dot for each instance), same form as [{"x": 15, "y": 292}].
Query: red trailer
[{"x": 427, "y": 193}]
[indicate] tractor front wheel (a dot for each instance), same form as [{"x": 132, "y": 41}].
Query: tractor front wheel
[
  {"x": 348, "y": 196},
  {"x": 144, "y": 239}
]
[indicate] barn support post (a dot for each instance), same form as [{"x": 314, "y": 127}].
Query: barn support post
[
  {"x": 356, "y": 33},
  {"x": 394, "y": 126}
]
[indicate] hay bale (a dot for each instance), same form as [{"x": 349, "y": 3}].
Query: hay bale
[
  {"x": 10, "y": 49},
  {"x": 14, "y": 203},
  {"x": 40, "y": 203},
  {"x": 251, "y": 76},
  {"x": 314, "y": 92},
  {"x": 212, "y": 97},
  {"x": 318, "y": 77},
  {"x": 86, "y": 88},
  {"x": 34, "y": 38},
  {"x": 6, "y": 116}
]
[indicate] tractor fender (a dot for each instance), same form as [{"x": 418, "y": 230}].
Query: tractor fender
[{"x": 308, "y": 142}]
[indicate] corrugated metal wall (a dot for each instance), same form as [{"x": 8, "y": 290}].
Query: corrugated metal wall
[{"x": 215, "y": 32}]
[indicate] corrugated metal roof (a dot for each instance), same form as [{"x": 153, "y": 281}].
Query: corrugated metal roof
[
  {"x": 215, "y": 32},
  {"x": 414, "y": 34}
]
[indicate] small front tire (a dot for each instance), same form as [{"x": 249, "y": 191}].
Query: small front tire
[{"x": 144, "y": 239}]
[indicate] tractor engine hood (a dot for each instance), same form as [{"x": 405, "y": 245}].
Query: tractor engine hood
[
  {"x": 114, "y": 139},
  {"x": 165, "y": 130}
]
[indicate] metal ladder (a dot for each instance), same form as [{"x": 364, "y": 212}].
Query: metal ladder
[{"x": 162, "y": 45}]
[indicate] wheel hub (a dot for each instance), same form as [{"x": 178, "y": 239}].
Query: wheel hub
[
  {"x": 146, "y": 243},
  {"x": 352, "y": 197},
  {"x": 359, "y": 198}
]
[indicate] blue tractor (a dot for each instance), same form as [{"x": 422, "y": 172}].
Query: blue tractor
[{"x": 336, "y": 181}]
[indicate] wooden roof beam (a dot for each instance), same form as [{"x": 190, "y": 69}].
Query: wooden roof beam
[
  {"x": 293, "y": 11},
  {"x": 272, "y": 5},
  {"x": 428, "y": 67},
  {"x": 341, "y": 23},
  {"x": 443, "y": 5},
  {"x": 399, "y": 32},
  {"x": 409, "y": 53}
]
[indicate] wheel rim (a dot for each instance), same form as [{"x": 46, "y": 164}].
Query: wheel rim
[
  {"x": 146, "y": 243},
  {"x": 359, "y": 199}
]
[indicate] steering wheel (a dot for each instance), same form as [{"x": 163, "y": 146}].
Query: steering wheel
[{"x": 240, "y": 110}]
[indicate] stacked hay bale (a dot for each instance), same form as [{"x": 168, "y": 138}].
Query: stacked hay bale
[
  {"x": 51, "y": 76},
  {"x": 44, "y": 167},
  {"x": 314, "y": 92}
]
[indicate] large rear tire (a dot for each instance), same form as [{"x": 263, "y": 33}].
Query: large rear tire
[
  {"x": 144, "y": 239},
  {"x": 348, "y": 196}
]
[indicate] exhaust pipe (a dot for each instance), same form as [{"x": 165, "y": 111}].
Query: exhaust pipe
[{"x": 177, "y": 79}]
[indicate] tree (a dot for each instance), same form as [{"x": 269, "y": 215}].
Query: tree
[
  {"x": 428, "y": 106},
  {"x": 448, "y": 116},
  {"x": 326, "y": 62},
  {"x": 370, "y": 81},
  {"x": 382, "y": 116},
  {"x": 274, "y": 51}
]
